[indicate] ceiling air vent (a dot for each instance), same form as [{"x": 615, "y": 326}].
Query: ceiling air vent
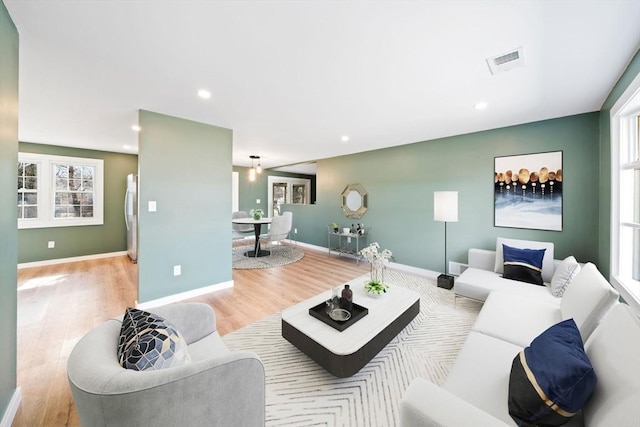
[{"x": 506, "y": 61}]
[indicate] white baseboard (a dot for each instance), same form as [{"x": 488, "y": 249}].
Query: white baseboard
[
  {"x": 422, "y": 272},
  {"x": 70, "y": 259},
  {"x": 322, "y": 249},
  {"x": 306, "y": 245},
  {"x": 184, "y": 295},
  {"x": 12, "y": 409},
  {"x": 392, "y": 265}
]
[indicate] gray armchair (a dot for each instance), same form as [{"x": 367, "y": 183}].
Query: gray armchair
[{"x": 218, "y": 387}]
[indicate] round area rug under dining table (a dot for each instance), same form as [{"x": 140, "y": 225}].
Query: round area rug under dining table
[{"x": 280, "y": 255}]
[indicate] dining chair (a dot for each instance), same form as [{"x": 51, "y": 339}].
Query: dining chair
[
  {"x": 289, "y": 215},
  {"x": 241, "y": 234},
  {"x": 278, "y": 232}
]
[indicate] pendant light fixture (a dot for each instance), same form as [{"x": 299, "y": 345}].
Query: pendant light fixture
[{"x": 254, "y": 170}]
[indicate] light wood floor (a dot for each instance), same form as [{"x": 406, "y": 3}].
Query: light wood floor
[{"x": 58, "y": 304}]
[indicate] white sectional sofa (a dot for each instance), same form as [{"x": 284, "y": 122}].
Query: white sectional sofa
[
  {"x": 476, "y": 392},
  {"x": 514, "y": 313},
  {"x": 519, "y": 319},
  {"x": 485, "y": 273}
]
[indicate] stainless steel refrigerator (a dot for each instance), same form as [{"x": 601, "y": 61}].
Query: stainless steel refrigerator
[{"x": 131, "y": 216}]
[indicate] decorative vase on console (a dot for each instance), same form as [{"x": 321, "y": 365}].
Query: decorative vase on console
[{"x": 377, "y": 260}]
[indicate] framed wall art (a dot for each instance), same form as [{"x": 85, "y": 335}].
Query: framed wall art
[{"x": 528, "y": 191}]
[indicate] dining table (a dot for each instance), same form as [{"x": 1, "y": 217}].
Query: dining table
[{"x": 257, "y": 226}]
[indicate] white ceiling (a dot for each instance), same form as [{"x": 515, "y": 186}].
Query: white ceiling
[{"x": 292, "y": 77}]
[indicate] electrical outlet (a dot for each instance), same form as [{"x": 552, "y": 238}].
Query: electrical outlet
[
  {"x": 177, "y": 270},
  {"x": 51, "y": 244},
  {"x": 152, "y": 206},
  {"x": 257, "y": 201},
  {"x": 295, "y": 231}
]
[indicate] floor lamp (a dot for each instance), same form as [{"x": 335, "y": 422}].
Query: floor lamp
[{"x": 445, "y": 209}]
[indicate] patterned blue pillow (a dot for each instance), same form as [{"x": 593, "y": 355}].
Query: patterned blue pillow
[
  {"x": 524, "y": 265},
  {"x": 551, "y": 379},
  {"x": 148, "y": 341}
]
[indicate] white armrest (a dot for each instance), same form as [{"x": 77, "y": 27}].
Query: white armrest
[
  {"x": 482, "y": 259},
  {"x": 426, "y": 404}
]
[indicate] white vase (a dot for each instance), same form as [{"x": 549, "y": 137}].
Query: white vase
[{"x": 375, "y": 294}]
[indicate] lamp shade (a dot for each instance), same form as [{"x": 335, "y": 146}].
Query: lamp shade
[{"x": 445, "y": 206}]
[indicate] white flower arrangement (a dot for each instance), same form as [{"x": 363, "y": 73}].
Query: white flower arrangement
[{"x": 377, "y": 260}]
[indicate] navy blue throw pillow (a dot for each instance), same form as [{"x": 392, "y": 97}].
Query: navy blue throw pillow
[
  {"x": 551, "y": 379},
  {"x": 524, "y": 265}
]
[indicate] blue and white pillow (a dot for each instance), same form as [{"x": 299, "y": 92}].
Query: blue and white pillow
[
  {"x": 524, "y": 265},
  {"x": 148, "y": 341},
  {"x": 552, "y": 379}
]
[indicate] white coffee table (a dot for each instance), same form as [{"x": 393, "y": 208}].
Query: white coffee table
[{"x": 345, "y": 353}]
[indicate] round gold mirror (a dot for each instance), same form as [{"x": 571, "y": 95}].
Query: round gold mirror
[{"x": 354, "y": 201}]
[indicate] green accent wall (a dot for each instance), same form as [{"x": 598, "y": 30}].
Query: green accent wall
[
  {"x": 633, "y": 69},
  {"x": 88, "y": 239},
  {"x": 8, "y": 212},
  {"x": 185, "y": 167},
  {"x": 401, "y": 181}
]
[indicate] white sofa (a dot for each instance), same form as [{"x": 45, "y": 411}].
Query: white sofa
[
  {"x": 518, "y": 319},
  {"x": 484, "y": 273},
  {"x": 514, "y": 313},
  {"x": 475, "y": 393}
]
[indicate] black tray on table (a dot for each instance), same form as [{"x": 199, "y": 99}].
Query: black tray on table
[{"x": 320, "y": 313}]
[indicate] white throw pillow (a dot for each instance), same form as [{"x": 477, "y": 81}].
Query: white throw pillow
[
  {"x": 547, "y": 261},
  {"x": 563, "y": 276}
]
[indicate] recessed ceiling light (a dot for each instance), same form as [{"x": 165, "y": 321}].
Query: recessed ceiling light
[
  {"x": 480, "y": 106},
  {"x": 136, "y": 128},
  {"x": 344, "y": 138},
  {"x": 204, "y": 94}
]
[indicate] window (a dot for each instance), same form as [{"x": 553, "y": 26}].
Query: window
[
  {"x": 279, "y": 197},
  {"x": 625, "y": 206},
  {"x": 56, "y": 191},
  {"x": 285, "y": 190},
  {"x": 73, "y": 192},
  {"x": 28, "y": 190}
]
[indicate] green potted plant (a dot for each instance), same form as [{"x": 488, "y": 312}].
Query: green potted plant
[
  {"x": 334, "y": 225},
  {"x": 376, "y": 288},
  {"x": 257, "y": 214}
]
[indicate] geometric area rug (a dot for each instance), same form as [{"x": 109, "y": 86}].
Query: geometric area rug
[{"x": 301, "y": 393}]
